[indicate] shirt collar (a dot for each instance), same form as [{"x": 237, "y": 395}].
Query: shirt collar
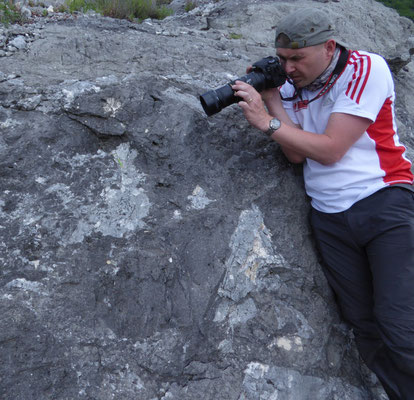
[{"x": 320, "y": 81}]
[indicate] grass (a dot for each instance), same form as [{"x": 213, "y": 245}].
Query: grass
[
  {"x": 190, "y": 5},
  {"x": 142, "y": 9},
  {"x": 123, "y": 9},
  {"x": 404, "y": 7},
  {"x": 9, "y": 13},
  {"x": 235, "y": 36}
]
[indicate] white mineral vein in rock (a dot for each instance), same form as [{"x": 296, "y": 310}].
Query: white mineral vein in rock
[
  {"x": 123, "y": 207},
  {"x": 112, "y": 106},
  {"x": 118, "y": 208},
  {"x": 24, "y": 284},
  {"x": 199, "y": 199},
  {"x": 252, "y": 251}
]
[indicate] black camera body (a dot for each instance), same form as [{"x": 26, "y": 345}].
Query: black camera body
[{"x": 265, "y": 74}]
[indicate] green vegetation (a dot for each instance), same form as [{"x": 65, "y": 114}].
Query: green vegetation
[
  {"x": 190, "y": 5},
  {"x": 124, "y": 9},
  {"x": 9, "y": 13},
  {"x": 404, "y": 7},
  {"x": 235, "y": 36},
  {"x": 62, "y": 8}
]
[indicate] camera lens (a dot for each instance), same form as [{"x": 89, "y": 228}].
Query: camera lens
[
  {"x": 210, "y": 102},
  {"x": 267, "y": 73},
  {"x": 215, "y": 100}
]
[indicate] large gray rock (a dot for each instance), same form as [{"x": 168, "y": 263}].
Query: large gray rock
[{"x": 148, "y": 251}]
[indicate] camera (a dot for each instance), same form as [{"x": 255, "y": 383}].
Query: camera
[{"x": 265, "y": 74}]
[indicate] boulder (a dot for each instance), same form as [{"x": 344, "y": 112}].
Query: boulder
[{"x": 148, "y": 251}]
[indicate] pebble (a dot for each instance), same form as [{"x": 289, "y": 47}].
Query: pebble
[
  {"x": 18, "y": 42},
  {"x": 15, "y": 37}
]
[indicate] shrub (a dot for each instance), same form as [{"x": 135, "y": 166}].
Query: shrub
[
  {"x": 81, "y": 5},
  {"x": 404, "y": 7},
  {"x": 9, "y": 13},
  {"x": 235, "y": 36},
  {"x": 62, "y": 8},
  {"x": 124, "y": 9},
  {"x": 190, "y": 5}
]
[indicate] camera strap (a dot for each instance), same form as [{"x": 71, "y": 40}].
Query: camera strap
[{"x": 336, "y": 73}]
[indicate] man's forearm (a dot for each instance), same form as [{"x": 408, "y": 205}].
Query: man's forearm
[{"x": 327, "y": 147}]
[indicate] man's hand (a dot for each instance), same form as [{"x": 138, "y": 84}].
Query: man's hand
[
  {"x": 252, "y": 105},
  {"x": 266, "y": 94},
  {"x": 257, "y": 116}
]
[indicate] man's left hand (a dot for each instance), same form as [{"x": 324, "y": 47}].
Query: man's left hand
[{"x": 252, "y": 105}]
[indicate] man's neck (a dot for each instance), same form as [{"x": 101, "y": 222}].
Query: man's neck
[{"x": 320, "y": 81}]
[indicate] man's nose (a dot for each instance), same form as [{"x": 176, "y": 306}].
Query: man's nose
[{"x": 289, "y": 67}]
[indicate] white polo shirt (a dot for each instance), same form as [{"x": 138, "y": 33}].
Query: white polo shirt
[{"x": 366, "y": 89}]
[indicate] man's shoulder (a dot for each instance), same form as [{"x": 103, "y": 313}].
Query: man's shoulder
[
  {"x": 362, "y": 57},
  {"x": 364, "y": 85},
  {"x": 366, "y": 67}
]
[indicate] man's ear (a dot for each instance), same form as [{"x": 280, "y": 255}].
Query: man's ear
[{"x": 330, "y": 47}]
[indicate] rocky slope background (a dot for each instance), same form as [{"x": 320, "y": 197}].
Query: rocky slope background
[{"x": 148, "y": 251}]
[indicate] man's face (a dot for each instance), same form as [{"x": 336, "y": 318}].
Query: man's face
[{"x": 304, "y": 65}]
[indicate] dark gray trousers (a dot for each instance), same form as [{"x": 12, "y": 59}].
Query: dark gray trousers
[{"x": 368, "y": 258}]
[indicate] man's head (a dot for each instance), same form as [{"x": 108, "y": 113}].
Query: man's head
[
  {"x": 305, "y": 42},
  {"x": 304, "y": 28}
]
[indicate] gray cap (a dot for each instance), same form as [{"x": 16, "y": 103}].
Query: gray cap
[{"x": 304, "y": 28}]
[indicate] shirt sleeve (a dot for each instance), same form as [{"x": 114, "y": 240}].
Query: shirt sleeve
[
  {"x": 367, "y": 83},
  {"x": 287, "y": 91}
]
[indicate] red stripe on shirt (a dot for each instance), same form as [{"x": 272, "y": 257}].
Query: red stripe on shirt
[
  {"x": 360, "y": 65},
  {"x": 353, "y": 76},
  {"x": 366, "y": 78},
  {"x": 391, "y": 155},
  {"x": 357, "y": 60}
]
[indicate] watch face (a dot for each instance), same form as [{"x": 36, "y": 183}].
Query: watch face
[{"x": 274, "y": 124}]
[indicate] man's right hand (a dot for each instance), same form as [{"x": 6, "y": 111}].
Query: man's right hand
[{"x": 266, "y": 94}]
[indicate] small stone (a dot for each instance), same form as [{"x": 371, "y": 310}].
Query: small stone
[
  {"x": 18, "y": 42},
  {"x": 25, "y": 12}
]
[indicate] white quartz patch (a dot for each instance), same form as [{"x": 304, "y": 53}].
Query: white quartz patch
[{"x": 198, "y": 199}]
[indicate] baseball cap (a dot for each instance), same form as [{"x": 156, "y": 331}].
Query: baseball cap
[{"x": 304, "y": 28}]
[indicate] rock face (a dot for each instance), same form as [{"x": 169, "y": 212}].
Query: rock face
[{"x": 148, "y": 251}]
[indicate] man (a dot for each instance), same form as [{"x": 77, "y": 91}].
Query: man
[{"x": 336, "y": 115}]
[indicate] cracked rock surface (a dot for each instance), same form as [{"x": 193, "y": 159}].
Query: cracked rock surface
[{"x": 148, "y": 251}]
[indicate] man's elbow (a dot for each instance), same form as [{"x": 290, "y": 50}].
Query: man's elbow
[
  {"x": 296, "y": 159},
  {"x": 331, "y": 157}
]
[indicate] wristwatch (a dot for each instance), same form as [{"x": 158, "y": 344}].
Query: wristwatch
[{"x": 274, "y": 125}]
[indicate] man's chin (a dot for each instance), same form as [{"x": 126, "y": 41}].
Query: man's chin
[{"x": 297, "y": 82}]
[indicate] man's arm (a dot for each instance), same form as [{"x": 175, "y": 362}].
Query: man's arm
[
  {"x": 342, "y": 131},
  {"x": 274, "y": 105},
  {"x": 328, "y": 147}
]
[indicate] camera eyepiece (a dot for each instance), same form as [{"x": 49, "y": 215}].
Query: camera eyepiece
[{"x": 266, "y": 73}]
